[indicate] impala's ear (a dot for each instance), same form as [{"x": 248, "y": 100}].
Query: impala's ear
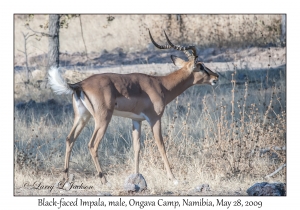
[{"x": 178, "y": 61}]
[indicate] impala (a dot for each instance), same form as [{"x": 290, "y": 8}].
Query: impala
[{"x": 136, "y": 96}]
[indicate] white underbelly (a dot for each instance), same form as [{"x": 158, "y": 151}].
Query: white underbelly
[{"x": 130, "y": 115}]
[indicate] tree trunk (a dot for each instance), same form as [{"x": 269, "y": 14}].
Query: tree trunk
[
  {"x": 53, "y": 47},
  {"x": 283, "y": 29},
  {"x": 26, "y": 57}
]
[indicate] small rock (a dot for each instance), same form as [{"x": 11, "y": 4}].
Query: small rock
[
  {"x": 57, "y": 184},
  {"x": 135, "y": 183},
  {"x": 67, "y": 186},
  {"x": 129, "y": 187},
  {"x": 267, "y": 189},
  {"x": 202, "y": 188},
  {"x": 104, "y": 194},
  {"x": 168, "y": 193}
]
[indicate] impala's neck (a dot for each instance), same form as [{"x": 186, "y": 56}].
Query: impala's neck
[{"x": 175, "y": 83}]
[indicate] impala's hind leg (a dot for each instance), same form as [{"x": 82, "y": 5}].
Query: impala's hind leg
[
  {"x": 101, "y": 123},
  {"x": 82, "y": 115}
]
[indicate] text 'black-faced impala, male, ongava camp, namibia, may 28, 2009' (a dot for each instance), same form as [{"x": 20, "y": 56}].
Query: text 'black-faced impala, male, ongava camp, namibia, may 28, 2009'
[{"x": 136, "y": 96}]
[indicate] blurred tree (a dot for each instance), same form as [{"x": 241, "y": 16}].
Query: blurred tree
[
  {"x": 54, "y": 24},
  {"x": 53, "y": 41},
  {"x": 283, "y": 29},
  {"x": 26, "y": 37}
]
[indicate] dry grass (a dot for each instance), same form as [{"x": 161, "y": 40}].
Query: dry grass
[{"x": 212, "y": 135}]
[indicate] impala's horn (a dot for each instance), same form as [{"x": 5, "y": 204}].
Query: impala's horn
[
  {"x": 157, "y": 45},
  {"x": 184, "y": 49},
  {"x": 190, "y": 56}
]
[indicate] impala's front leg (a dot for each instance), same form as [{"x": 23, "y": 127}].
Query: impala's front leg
[
  {"x": 156, "y": 129},
  {"x": 136, "y": 135}
]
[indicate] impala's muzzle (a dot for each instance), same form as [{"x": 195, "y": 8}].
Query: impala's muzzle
[{"x": 213, "y": 81}]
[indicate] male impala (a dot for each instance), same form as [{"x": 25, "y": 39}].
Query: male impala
[{"x": 136, "y": 96}]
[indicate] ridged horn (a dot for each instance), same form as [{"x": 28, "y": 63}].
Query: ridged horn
[
  {"x": 184, "y": 49},
  {"x": 157, "y": 45}
]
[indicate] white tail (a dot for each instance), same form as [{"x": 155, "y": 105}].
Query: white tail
[{"x": 57, "y": 83}]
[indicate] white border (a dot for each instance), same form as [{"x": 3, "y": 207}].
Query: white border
[{"x": 153, "y": 6}]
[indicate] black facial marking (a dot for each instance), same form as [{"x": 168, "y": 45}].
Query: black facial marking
[{"x": 202, "y": 67}]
